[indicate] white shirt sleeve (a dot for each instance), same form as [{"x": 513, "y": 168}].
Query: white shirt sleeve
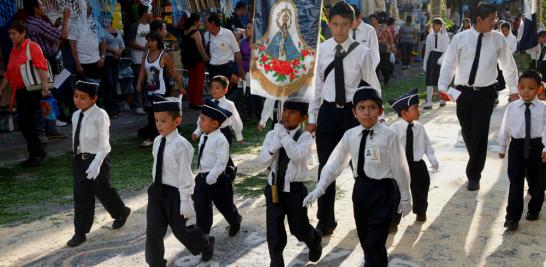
[
  {"x": 429, "y": 151},
  {"x": 504, "y": 132},
  {"x": 337, "y": 161},
  {"x": 267, "y": 111},
  {"x": 265, "y": 157},
  {"x": 236, "y": 123},
  {"x": 298, "y": 150},
  {"x": 544, "y": 129},
  {"x": 221, "y": 149},
  {"x": 197, "y": 131},
  {"x": 315, "y": 103},
  {"x": 233, "y": 42},
  {"x": 368, "y": 74},
  {"x": 374, "y": 46},
  {"x": 185, "y": 181},
  {"x": 509, "y": 69},
  {"x": 103, "y": 127},
  {"x": 428, "y": 48},
  {"x": 449, "y": 64},
  {"x": 399, "y": 165}
]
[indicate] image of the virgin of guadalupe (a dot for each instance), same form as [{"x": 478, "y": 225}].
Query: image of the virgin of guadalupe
[{"x": 282, "y": 45}]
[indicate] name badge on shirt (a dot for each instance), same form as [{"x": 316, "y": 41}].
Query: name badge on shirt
[{"x": 373, "y": 155}]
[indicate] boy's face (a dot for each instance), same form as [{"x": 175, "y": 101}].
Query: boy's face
[
  {"x": 486, "y": 24},
  {"x": 436, "y": 27},
  {"x": 165, "y": 122},
  {"x": 367, "y": 112},
  {"x": 412, "y": 114},
  {"x": 340, "y": 27},
  {"x": 528, "y": 89},
  {"x": 542, "y": 39},
  {"x": 292, "y": 118},
  {"x": 207, "y": 124},
  {"x": 217, "y": 91},
  {"x": 83, "y": 100}
]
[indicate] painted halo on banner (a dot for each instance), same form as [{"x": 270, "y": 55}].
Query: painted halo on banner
[{"x": 282, "y": 62}]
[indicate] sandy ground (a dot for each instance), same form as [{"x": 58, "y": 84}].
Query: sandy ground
[{"x": 463, "y": 228}]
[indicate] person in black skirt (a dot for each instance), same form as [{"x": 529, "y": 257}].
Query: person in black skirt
[{"x": 436, "y": 44}]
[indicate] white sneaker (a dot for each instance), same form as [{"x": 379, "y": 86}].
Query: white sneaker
[
  {"x": 427, "y": 106},
  {"x": 147, "y": 143},
  {"x": 140, "y": 111},
  {"x": 59, "y": 123}
]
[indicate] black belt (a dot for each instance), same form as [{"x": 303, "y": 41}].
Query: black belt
[
  {"x": 335, "y": 105},
  {"x": 536, "y": 139},
  {"x": 368, "y": 179},
  {"x": 463, "y": 88},
  {"x": 85, "y": 156}
]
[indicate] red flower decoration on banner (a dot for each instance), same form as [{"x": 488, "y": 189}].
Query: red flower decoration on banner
[
  {"x": 304, "y": 52},
  {"x": 264, "y": 58},
  {"x": 267, "y": 67},
  {"x": 261, "y": 47},
  {"x": 295, "y": 62}
]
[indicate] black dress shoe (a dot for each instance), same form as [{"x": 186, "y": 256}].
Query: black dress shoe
[
  {"x": 421, "y": 217},
  {"x": 473, "y": 185},
  {"x": 511, "y": 225},
  {"x": 531, "y": 216},
  {"x": 326, "y": 231},
  {"x": 118, "y": 223},
  {"x": 208, "y": 252},
  {"x": 315, "y": 250},
  {"x": 76, "y": 240},
  {"x": 234, "y": 228}
]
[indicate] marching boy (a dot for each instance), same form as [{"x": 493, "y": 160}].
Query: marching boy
[
  {"x": 522, "y": 132},
  {"x": 211, "y": 184},
  {"x": 287, "y": 149},
  {"x": 417, "y": 144},
  {"x": 381, "y": 175},
  {"x": 169, "y": 196},
  {"x": 436, "y": 45},
  {"x": 218, "y": 89},
  {"x": 91, "y": 164}
]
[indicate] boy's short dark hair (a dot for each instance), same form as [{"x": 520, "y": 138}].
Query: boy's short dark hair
[
  {"x": 357, "y": 10},
  {"x": 437, "y": 21},
  {"x": 343, "y": 10},
  {"x": 372, "y": 16},
  {"x": 406, "y": 109},
  {"x": 175, "y": 114},
  {"x": 156, "y": 25},
  {"x": 542, "y": 33},
  {"x": 92, "y": 95},
  {"x": 482, "y": 10},
  {"x": 223, "y": 80},
  {"x": 531, "y": 74},
  {"x": 19, "y": 26},
  {"x": 214, "y": 18}
]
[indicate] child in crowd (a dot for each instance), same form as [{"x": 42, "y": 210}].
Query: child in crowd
[{"x": 436, "y": 45}]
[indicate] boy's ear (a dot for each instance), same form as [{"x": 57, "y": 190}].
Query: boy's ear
[
  {"x": 178, "y": 121},
  {"x": 540, "y": 90}
]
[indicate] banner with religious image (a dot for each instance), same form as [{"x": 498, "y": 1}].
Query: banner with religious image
[{"x": 285, "y": 48}]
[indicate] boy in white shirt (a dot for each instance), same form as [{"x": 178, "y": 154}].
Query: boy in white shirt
[
  {"x": 436, "y": 45},
  {"x": 381, "y": 175},
  {"x": 212, "y": 185},
  {"x": 522, "y": 132},
  {"x": 286, "y": 150},
  {"x": 412, "y": 134},
  {"x": 91, "y": 164},
  {"x": 218, "y": 89},
  {"x": 169, "y": 195}
]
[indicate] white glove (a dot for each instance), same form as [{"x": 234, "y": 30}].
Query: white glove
[
  {"x": 93, "y": 170},
  {"x": 211, "y": 180},
  {"x": 434, "y": 163},
  {"x": 275, "y": 143},
  {"x": 186, "y": 206},
  {"x": 278, "y": 128},
  {"x": 404, "y": 207},
  {"x": 424, "y": 68},
  {"x": 312, "y": 197}
]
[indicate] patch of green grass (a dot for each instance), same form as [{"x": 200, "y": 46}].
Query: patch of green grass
[
  {"x": 399, "y": 87},
  {"x": 249, "y": 186}
]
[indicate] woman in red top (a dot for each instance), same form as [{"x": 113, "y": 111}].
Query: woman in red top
[{"x": 28, "y": 103}]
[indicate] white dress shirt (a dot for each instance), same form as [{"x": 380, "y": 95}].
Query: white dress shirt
[
  {"x": 94, "y": 132},
  {"x": 443, "y": 44},
  {"x": 357, "y": 66},
  {"x": 387, "y": 160},
  {"x": 177, "y": 157},
  {"x": 460, "y": 56},
  {"x": 215, "y": 155},
  {"x": 365, "y": 34},
  {"x": 535, "y": 53},
  {"x": 513, "y": 123},
  {"x": 298, "y": 152},
  {"x": 223, "y": 46},
  {"x": 234, "y": 120},
  {"x": 267, "y": 110},
  {"x": 421, "y": 142},
  {"x": 512, "y": 42}
]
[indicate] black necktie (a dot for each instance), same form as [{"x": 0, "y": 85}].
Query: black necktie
[
  {"x": 282, "y": 165},
  {"x": 354, "y": 34},
  {"x": 201, "y": 151},
  {"x": 542, "y": 54},
  {"x": 158, "y": 181},
  {"x": 435, "y": 41},
  {"x": 77, "y": 134},
  {"x": 360, "y": 166},
  {"x": 339, "y": 76},
  {"x": 216, "y": 101},
  {"x": 474, "y": 69},
  {"x": 527, "y": 140},
  {"x": 409, "y": 143}
]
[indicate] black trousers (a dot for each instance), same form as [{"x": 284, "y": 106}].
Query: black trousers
[
  {"x": 419, "y": 185},
  {"x": 474, "y": 109},
  {"x": 109, "y": 83},
  {"x": 164, "y": 211},
  {"x": 290, "y": 206},
  {"x": 85, "y": 191},
  {"x": 91, "y": 71},
  {"x": 224, "y": 70},
  {"x": 542, "y": 70},
  {"x": 150, "y": 130},
  {"x": 519, "y": 169},
  {"x": 331, "y": 125},
  {"x": 375, "y": 202},
  {"x": 28, "y": 104},
  {"x": 221, "y": 194},
  {"x": 406, "y": 53}
]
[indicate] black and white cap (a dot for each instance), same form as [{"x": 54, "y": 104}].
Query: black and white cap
[
  {"x": 408, "y": 99},
  {"x": 212, "y": 110},
  {"x": 166, "y": 104},
  {"x": 87, "y": 86}
]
